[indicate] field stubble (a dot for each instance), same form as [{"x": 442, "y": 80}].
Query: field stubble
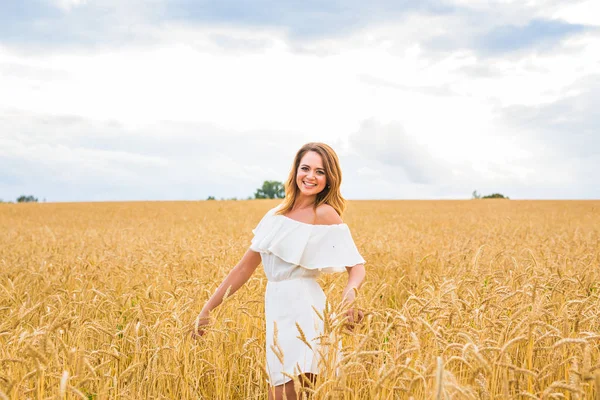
[{"x": 464, "y": 299}]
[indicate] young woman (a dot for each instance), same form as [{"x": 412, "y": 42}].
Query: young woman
[{"x": 296, "y": 241}]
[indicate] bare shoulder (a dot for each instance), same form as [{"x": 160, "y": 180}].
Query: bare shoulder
[{"x": 326, "y": 215}]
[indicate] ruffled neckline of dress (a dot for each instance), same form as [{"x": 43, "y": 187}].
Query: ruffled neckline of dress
[
  {"x": 305, "y": 223},
  {"x": 328, "y": 248}
]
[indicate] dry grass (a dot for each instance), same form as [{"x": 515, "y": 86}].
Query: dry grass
[{"x": 464, "y": 299}]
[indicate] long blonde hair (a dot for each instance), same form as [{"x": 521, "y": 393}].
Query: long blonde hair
[{"x": 333, "y": 173}]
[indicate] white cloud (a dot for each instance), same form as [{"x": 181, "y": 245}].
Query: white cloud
[
  {"x": 391, "y": 145},
  {"x": 578, "y": 12},
  {"x": 233, "y": 104},
  {"x": 369, "y": 172},
  {"x": 67, "y": 5},
  {"x": 73, "y": 158}
]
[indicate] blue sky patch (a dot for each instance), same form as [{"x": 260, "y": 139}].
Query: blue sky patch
[{"x": 538, "y": 31}]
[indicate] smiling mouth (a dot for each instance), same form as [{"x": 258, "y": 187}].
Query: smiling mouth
[{"x": 309, "y": 184}]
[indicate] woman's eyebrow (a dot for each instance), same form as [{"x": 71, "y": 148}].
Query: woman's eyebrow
[{"x": 306, "y": 165}]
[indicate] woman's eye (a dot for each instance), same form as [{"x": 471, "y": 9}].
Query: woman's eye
[
  {"x": 304, "y": 168},
  {"x": 321, "y": 172}
]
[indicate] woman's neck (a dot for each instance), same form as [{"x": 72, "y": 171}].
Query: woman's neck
[{"x": 304, "y": 202}]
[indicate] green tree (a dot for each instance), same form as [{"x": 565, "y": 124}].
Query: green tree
[
  {"x": 476, "y": 195},
  {"x": 210, "y": 198},
  {"x": 495, "y": 196},
  {"x": 27, "y": 199},
  {"x": 270, "y": 190}
]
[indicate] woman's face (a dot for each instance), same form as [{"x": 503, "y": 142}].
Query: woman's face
[{"x": 310, "y": 178}]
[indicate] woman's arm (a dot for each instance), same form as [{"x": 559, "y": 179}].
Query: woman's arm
[
  {"x": 326, "y": 215},
  {"x": 236, "y": 278},
  {"x": 356, "y": 276}
]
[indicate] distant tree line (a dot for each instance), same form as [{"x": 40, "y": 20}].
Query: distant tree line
[
  {"x": 27, "y": 199},
  {"x": 23, "y": 199},
  {"x": 268, "y": 190},
  {"x": 489, "y": 196}
]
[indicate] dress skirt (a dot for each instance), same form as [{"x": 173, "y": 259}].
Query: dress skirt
[{"x": 289, "y": 305}]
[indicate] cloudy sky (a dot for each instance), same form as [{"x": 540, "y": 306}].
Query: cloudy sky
[{"x": 182, "y": 99}]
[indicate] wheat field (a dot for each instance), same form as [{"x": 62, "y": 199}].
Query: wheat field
[{"x": 480, "y": 299}]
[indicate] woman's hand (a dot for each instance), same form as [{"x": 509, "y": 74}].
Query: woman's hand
[
  {"x": 201, "y": 322},
  {"x": 236, "y": 278},
  {"x": 354, "y": 316}
]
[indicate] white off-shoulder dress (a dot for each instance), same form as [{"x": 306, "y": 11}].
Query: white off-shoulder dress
[{"x": 293, "y": 255}]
